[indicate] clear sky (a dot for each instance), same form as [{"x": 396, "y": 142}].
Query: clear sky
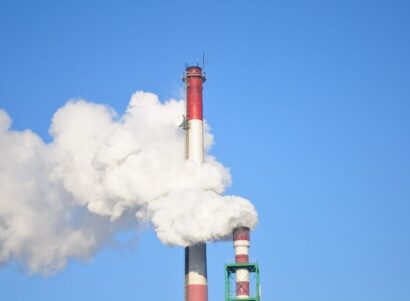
[{"x": 309, "y": 103}]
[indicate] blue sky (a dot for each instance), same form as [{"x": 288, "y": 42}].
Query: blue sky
[{"x": 309, "y": 103}]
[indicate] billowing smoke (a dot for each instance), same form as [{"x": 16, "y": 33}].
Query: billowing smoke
[{"x": 102, "y": 174}]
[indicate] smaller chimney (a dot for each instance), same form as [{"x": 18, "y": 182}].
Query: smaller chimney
[{"x": 241, "y": 237}]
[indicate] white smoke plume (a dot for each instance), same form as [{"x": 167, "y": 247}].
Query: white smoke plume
[{"x": 104, "y": 173}]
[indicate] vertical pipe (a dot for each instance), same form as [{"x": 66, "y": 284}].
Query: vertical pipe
[
  {"x": 196, "y": 287},
  {"x": 241, "y": 244}
]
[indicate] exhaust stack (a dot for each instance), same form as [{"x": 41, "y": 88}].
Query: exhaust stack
[
  {"x": 241, "y": 244},
  {"x": 196, "y": 287},
  {"x": 242, "y": 277}
]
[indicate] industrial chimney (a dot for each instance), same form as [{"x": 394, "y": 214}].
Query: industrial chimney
[
  {"x": 242, "y": 277},
  {"x": 241, "y": 244},
  {"x": 196, "y": 287}
]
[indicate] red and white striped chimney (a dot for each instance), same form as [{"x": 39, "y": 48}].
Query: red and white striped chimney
[
  {"x": 196, "y": 287},
  {"x": 241, "y": 237}
]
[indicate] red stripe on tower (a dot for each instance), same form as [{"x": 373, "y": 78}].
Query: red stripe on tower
[
  {"x": 242, "y": 258},
  {"x": 194, "y": 79},
  {"x": 241, "y": 233},
  {"x": 197, "y": 292},
  {"x": 242, "y": 288},
  {"x": 241, "y": 238}
]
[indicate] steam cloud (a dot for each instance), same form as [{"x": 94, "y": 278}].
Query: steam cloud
[{"x": 102, "y": 174}]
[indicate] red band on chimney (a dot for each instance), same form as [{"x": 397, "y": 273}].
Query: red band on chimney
[
  {"x": 241, "y": 258},
  {"x": 198, "y": 292},
  {"x": 242, "y": 288},
  {"x": 241, "y": 233},
  {"x": 194, "y": 79}
]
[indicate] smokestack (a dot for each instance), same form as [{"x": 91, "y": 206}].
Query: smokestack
[
  {"x": 241, "y": 237},
  {"x": 196, "y": 287}
]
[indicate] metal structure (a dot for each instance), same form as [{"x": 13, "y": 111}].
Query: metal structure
[
  {"x": 196, "y": 286},
  {"x": 244, "y": 274},
  {"x": 254, "y": 292}
]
